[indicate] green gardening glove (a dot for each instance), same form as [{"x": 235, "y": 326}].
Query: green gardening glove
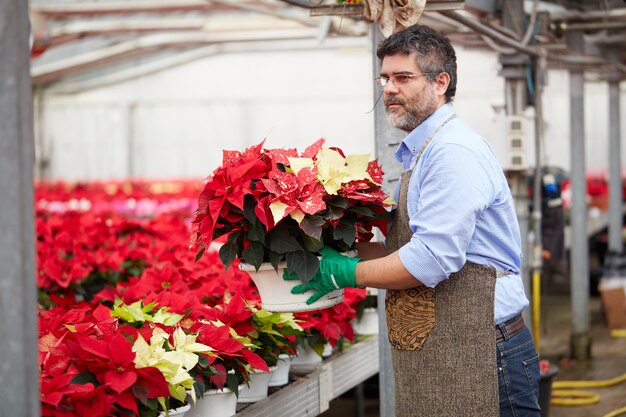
[{"x": 335, "y": 271}]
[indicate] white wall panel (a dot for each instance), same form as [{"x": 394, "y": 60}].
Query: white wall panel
[
  {"x": 179, "y": 139},
  {"x": 85, "y": 141},
  {"x": 298, "y": 123}
]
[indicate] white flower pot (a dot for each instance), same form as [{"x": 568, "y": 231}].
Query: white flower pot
[
  {"x": 256, "y": 390},
  {"x": 305, "y": 355},
  {"x": 279, "y": 374},
  {"x": 215, "y": 403},
  {"x": 328, "y": 350},
  {"x": 177, "y": 412},
  {"x": 368, "y": 324},
  {"x": 276, "y": 293}
]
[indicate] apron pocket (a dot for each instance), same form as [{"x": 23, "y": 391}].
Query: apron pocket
[{"x": 410, "y": 316}]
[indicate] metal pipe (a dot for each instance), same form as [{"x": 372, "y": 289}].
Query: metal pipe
[
  {"x": 539, "y": 67},
  {"x": 579, "y": 255},
  {"x": 493, "y": 34},
  {"x": 615, "y": 179},
  {"x": 531, "y": 24},
  {"x": 386, "y": 140}
]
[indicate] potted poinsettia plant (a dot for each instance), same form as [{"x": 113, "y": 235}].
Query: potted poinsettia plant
[
  {"x": 132, "y": 360},
  {"x": 276, "y": 208}
]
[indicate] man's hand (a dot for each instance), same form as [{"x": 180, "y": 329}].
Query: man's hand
[{"x": 335, "y": 271}]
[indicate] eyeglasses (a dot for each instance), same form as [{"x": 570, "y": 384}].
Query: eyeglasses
[{"x": 399, "y": 79}]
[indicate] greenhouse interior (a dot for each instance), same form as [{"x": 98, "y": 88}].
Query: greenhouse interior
[{"x": 202, "y": 208}]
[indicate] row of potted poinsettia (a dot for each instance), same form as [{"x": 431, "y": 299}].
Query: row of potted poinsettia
[{"x": 95, "y": 269}]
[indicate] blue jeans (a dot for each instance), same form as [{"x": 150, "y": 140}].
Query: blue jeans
[{"x": 518, "y": 376}]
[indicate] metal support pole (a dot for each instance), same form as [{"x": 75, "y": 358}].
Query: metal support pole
[
  {"x": 359, "y": 400},
  {"x": 537, "y": 259},
  {"x": 616, "y": 220},
  {"x": 18, "y": 293},
  {"x": 579, "y": 251},
  {"x": 387, "y": 139},
  {"x": 514, "y": 73}
]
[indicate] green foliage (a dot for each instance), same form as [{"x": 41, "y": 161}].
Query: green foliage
[
  {"x": 137, "y": 313},
  {"x": 270, "y": 334}
]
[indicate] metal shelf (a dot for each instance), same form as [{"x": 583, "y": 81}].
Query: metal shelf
[{"x": 311, "y": 393}]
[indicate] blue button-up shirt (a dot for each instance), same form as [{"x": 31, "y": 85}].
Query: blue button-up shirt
[{"x": 461, "y": 210}]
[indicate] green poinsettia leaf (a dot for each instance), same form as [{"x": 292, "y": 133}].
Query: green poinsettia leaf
[
  {"x": 199, "y": 387},
  {"x": 334, "y": 213},
  {"x": 346, "y": 232},
  {"x": 253, "y": 255},
  {"x": 228, "y": 251},
  {"x": 311, "y": 244},
  {"x": 312, "y": 226},
  {"x": 248, "y": 209},
  {"x": 200, "y": 253},
  {"x": 203, "y": 362},
  {"x": 303, "y": 264},
  {"x": 222, "y": 230},
  {"x": 364, "y": 211},
  {"x": 168, "y": 319},
  {"x": 256, "y": 232},
  {"x": 275, "y": 259},
  {"x": 122, "y": 314},
  {"x": 84, "y": 378},
  {"x": 232, "y": 382},
  {"x": 282, "y": 241},
  {"x": 287, "y": 331},
  {"x": 339, "y": 201},
  {"x": 130, "y": 313},
  {"x": 149, "y": 307},
  {"x": 317, "y": 345}
]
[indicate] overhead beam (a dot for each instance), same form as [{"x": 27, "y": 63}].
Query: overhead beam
[
  {"x": 589, "y": 15},
  {"x": 60, "y": 10},
  {"x": 146, "y": 44},
  {"x": 184, "y": 57}
]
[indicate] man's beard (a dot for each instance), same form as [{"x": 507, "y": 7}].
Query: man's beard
[{"x": 416, "y": 109}]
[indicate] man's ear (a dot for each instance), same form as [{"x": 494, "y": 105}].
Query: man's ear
[{"x": 442, "y": 81}]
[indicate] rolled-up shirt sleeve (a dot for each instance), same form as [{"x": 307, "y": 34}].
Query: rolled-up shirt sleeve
[{"x": 447, "y": 194}]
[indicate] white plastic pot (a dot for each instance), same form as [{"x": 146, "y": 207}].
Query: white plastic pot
[
  {"x": 256, "y": 390},
  {"x": 328, "y": 350},
  {"x": 177, "y": 412},
  {"x": 279, "y": 374},
  {"x": 276, "y": 293},
  {"x": 305, "y": 355},
  {"x": 368, "y": 324},
  {"x": 215, "y": 403}
]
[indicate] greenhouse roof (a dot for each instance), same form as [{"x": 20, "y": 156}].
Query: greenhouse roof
[{"x": 85, "y": 40}]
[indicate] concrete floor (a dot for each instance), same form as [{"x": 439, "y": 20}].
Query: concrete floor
[
  {"x": 608, "y": 356},
  {"x": 608, "y": 361}
]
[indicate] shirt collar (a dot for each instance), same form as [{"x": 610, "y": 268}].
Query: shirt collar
[{"x": 414, "y": 140}]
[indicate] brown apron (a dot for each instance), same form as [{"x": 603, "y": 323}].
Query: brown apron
[{"x": 442, "y": 339}]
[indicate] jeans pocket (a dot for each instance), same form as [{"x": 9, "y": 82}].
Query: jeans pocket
[
  {"x": 531, "y": 368},
  {"x": 519, "y": 377}
]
